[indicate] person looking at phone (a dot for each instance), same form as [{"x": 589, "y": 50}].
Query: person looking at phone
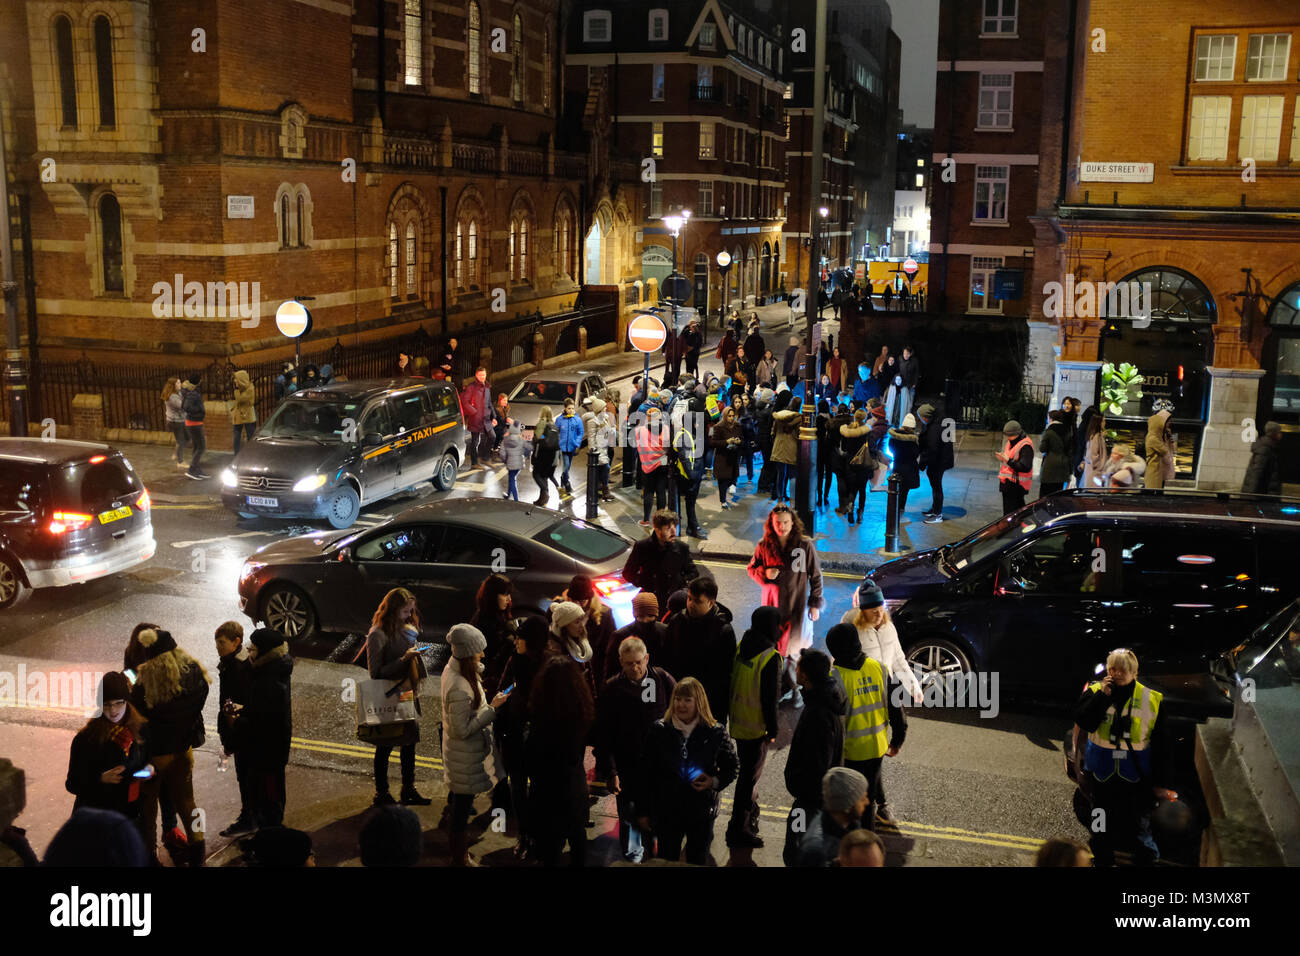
[
  {"x": 512, "y": 722},
  {"x": 687, "y": 761},
  {"x": 266, "y": 723},
  {"x": 392, "y": 654},
  {"x": 108, "y": 752}
]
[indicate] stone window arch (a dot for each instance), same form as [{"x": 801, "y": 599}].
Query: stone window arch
[
  {"x": 474, "y": 48},
  {"x": 67, "y": 70},
  {"x": 406, "y": 249},
  {"x": 103, "y": 35},
  {"x": 471, "y": 243},
  {"x": 1178, "y": 296},
  {"x": 521, "y": 238},
  {"x": 293, "y": 131},
  {"x": 565, "y": 246},
  {"x": 293, "y": 215}
]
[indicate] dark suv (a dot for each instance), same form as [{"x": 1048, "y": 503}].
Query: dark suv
[
  {"x": 70, "y": 512},
  {"x": 324, "y": 452},
  {"x": 1043, "y": 594}
]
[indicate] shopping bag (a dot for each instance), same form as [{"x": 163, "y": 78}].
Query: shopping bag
[{"x": 376, "y": 707}]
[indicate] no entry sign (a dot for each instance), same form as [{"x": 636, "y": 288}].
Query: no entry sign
[
  {"x": 646, "y": 333},
  {"x": 910, "y": 266}
]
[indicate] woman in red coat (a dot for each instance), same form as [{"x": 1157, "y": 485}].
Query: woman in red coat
[{"x": 785, "y": 565}]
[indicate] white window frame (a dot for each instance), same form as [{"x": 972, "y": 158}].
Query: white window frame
[
  {"x": 708, "y": 36},
  {"x": 994, "y": 111},
  {"x": 1256, "y": 58},
  {"x": 656, "y": 202},
  {"x": 657, "y": 133},
  {"x": 657, "y": 82},
  {"x": 996, "y": 20},
  {"x": 1261, "y": 127},
  {"x": 708, "y": 143},
  {"x": 590, "y": 20},
  {"x": 705, "y": 198},
  {"x": 657, "y": 32},
  {"x": 990, "y": 176},
  {"x": 1209, "y": 60},
  {"x": 1202, "y": 107},
  {"x": 984, "y": 266}
]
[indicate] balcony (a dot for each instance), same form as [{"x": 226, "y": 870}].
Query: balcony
[
  {"x": 742, "y": 103},
  {"x": 707, "y": 93}
]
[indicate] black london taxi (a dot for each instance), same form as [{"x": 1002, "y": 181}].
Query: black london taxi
[
  {"x": 324, "y": 452},
  {"x": 70, "y": 512}
]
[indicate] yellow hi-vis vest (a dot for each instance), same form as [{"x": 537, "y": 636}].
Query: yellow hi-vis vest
[
  {"x": 1144, "y": 706},
  {"x": 864, "y": 731},
  {"x": 746, "y": 714}
]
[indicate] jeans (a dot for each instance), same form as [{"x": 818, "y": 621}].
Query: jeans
[
  {"x": 200, "y": 446},
  {"x": 698, "y": 838},
  {"x": 748, "y": 458},
  {"x": 654, "y": 487},
  {"x": 871, "y": 770},
  {"x": 568, "y": 460},
  {"x": 182, "y": 439},
  {"x": 744, "y": 813},
  {"x": 382, "y": 754},
  {"x": 174, "y": 776},
  {"x": 480, "y": 445},
  {"x": 781, "y": 480},
  {"x": 602, "y": 478},
  {"x": 247, "y": 429},
  {"x": 723, "y": 486},
  {"x": 513, "y": 484},
  {"x": 936, "y": 490},
  {"x": 269, "y": 793},
  {"x": 462, "y": 805}
]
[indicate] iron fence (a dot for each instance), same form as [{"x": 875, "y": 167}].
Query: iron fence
[{"x": 991, "y": 404}]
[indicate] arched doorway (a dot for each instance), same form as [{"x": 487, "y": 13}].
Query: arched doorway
[
  {"x": 1279, "y": 391},
  {"x": 656, "y": 263},
  {"x": 597, "y": 246},
  {"x": 702, "y": 284},
  {"x": 777, "y": 284},
  {"x": 751, "y": 275},
  {"x": 1172, "y": 351},
  {"x": 734, "y": 276},
  {"x": 765, "y": 276}
]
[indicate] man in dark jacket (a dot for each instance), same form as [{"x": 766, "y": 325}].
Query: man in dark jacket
[
  {"x": 234, "y": 675},
  {"x": 936, "y": 455},
  {"x": 754, "y": 349},
  {"x": 910, "y": 369},
  {"x": 629, "y": 704},
  {"x": 790, "y": 367},
  {"x": 480, "y": 418},
  {"x": 1263, "y": 476},
  {"x": 692, "y": 342},
  {"x": 1056, "y": 445},
  {"x": 844, "y": 801},
  {"x": 702, "y": 644},
  {"x": 646, "y": 627},
  {"x": 192, "y": 405},
  {"x": 660, "y": 563},
  {"x": 767, "y": 437},
  {"x": 447, "y": 364},
  {"x": 267, "y": 722},
  {"x": 755, "y": 696},
  {"x": 818, "y": 745}
]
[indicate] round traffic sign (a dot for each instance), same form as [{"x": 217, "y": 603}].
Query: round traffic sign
[
  {"x": 676, "y": 288},
  {"x": 910, "y": 266},
  {"x": 724, "y": 259},
  {"x": 646, "y": 333},
  {"x": 292, "y": 319}
]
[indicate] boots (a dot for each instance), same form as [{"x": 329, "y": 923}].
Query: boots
[
  {"x": 459, "y": 845},
  {"x": 177, "y": 846},
  {"x": 860, "y": 510},
  {"x": 197, "y": 853},
  {"x": 411, "y": 797}
]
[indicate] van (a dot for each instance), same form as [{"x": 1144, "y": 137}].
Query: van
[{"x": 324, "y": 452}]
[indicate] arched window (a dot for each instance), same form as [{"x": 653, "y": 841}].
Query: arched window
[
  {"x": 546, "y": 71},
  {"x": 410, "y": 259},
  {"x": 523, "y": 250},
  {"x": 67, "y": 72},
  {"x": 284, "y": 221},
  {"x": 474, "y": 41},
  {"x": 1286, "y": 308},
  {"x": 302, "y": 220},
  {"x": 1176, "y": 296},
  {"x": 392, "y": 259},
  {"x": 517, "y": 62},
  {"x": 510, "y": 252},
  {"x": 104, "y": 71},
  {"x": 413, "y": 43},
  {"x": 467, "y": 257},
  {"x": 564, "y": 266},
  {"x": 471, "y": 269},
  {"x": 110, "y": 229},
  {"x": 460, "y": 256}
]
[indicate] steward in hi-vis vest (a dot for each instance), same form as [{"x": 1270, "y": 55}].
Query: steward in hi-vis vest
[{"x": 755, "y": 696}]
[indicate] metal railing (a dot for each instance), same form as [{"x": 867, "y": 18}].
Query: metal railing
[
  {"x": 708, "y": 93},
  {"x": 991, "y": 404}
]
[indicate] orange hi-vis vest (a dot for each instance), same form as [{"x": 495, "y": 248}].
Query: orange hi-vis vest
[
  {"x": 1025, "y": 478},
  {"x": 650, "y": 447}
]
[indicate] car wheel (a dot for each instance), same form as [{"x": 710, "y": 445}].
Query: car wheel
[
  {"x": 13, "y": 589},
  {"x": 343, "y": 507},
  {"x": 942, "y": 664},
  {"x": 444, "y": 479},
  {"x": 289, "y": 612}
]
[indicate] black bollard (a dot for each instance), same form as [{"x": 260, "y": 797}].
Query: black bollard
[
  {"x": 891, "y": 515},
  {"x": 591, "y": 480}
]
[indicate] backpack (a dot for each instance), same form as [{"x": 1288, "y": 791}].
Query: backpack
[{"x": 551, "y": 438}]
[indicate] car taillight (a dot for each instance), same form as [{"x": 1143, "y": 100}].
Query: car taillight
[
  {"x": 607, "y": 586},
  {"x": 97, "y": 459},
  {"x": 64, "y": 521},
  {"x": 142, "y": 503}
]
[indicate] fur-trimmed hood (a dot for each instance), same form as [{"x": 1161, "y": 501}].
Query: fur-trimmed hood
[
  {"x": 785, "y": 415},
  {"x": 854, "y": 431},
  {"x": 279, "y": 652},
  {"x": 169, "y": 675},
  {"x": 896, "y": 435}
]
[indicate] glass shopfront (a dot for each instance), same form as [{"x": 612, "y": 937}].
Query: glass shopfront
[
  {"x": 1279, "y": 392},
  {"x": 1172, "y": 353}
]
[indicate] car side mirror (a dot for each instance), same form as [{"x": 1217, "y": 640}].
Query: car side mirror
[{"x": 345, "y": 555}]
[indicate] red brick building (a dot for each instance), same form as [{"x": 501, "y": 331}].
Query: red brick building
[
  {"x": 400, "y": 161},
  {"x": 696, "y": 93}
]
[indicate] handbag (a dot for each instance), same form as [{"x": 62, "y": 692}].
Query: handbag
[
  {"x": 863, "y": 459},
  {"x": 384, "y": 717}
]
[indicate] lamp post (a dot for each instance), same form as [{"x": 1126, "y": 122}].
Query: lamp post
[
  {"x": 724, "y": 266},
  {"x": 824, "y": 212},
  {"x": 15, "y": 369},
  {"x": 807, "y": 433}
]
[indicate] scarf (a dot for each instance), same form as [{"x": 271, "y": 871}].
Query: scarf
[
  {"x": 686, "y": 729},
  {"x": 120, "y": 736}
]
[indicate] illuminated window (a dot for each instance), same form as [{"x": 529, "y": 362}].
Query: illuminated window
[
  {"x": 657, "y": 139},
  {"x": 475, "y": 42},
  {"x": 981, "y": 283},
  {"x": 1216, "y": 57},
  {"x": 410, "y": 258},
  {"x": 657, "y": 81},
  {"x": 1266, "y": 56},
  {"x": 413, "y": 43},
  {"x": 392, "y": 259},
  {"x": 706, "y": 141},
  {"x": 1207, "y": 134},
  {"x": 991, "y": 183},
  {"x": 1261, "y": 128},
  {"x": 995, "y": 100},
  {"x": 110, "y": 226},
  {"x": 708, "y": 36}
]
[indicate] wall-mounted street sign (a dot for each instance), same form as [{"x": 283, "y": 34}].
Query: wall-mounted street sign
[
  {"x": 1008, "y": 283},
  {"x": 1117, "y": 172},
  {"x": 239, "y": 207}
]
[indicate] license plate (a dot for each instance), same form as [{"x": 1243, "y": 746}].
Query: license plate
[
  {"x": 264, "y": 502},
  {"x": 122, "y": 512}
]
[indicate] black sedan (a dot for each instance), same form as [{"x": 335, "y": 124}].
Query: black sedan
[{"x": 442, "y": 551}]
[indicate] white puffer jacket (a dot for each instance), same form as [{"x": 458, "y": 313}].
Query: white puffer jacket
[
  {"x": 468, "y": 761},
  {"x": 882, "y": 645}
]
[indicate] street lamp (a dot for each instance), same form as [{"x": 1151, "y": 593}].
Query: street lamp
[
  {"x": 824, "y": 212},
  {"x": 724, "y": 265}
]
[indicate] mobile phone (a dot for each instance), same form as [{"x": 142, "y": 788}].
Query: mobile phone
[
  {"x": 508, "y": 690},
  {"x": 423, "y": 647},
  {"x": 144, "y": 773},
  {"x": 130, "y": 675}
]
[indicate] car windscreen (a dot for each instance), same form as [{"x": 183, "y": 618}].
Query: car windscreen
[
  {"x": 541, "y": 390},
  {"x": 1006, "y": 531},
  {"x": 582, "y": 541},
  {"x": 322, "y": 420},
  {"x": 90, "y": 486}
]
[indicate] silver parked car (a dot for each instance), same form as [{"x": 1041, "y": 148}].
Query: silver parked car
[{"x": 551, "y": 388}]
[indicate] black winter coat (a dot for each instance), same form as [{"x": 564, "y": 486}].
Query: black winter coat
[
  {"x": 1263, "y": 476},
  {"x": 665, "y": 793},
  {"x": 192, "y": 403},
  {"x": 624, "y": 716},
  {"x": 266, "y": 722},
  {"x": 906, "y": 448},
  {"x": 692, "y": 340},
  {"x": 818, "y": 743},
  {"x": 90, "y": 758},
  {"x": 660, "y": 569},
  {"x": 174, "y": 725},
  {"x": 703, "y": 648},
  {"x": 512, "y": 719},
  {"x": 652, "y": 634},
  {"x": 936, "y": 454},
  {"x": 234, "y": 675}
]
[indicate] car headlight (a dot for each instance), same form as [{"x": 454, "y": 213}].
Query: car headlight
[
  {"x": 310, "y": 483},
  {"x": 250, "y": 568},
  {"x": 228, "y": 478}
]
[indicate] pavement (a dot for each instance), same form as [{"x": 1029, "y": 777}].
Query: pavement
[{"x": 971, "y": 497}]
